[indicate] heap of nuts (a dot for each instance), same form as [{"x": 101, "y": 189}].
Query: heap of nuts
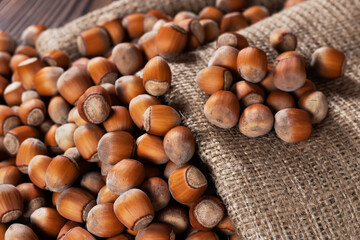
[
  {"x": 155, "y": 33},
  {"x": 88, "y": 151},
  {"x": 249, "y": 92}
]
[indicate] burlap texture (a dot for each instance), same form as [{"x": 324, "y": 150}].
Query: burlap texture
[{"x": 275, "y": 190}]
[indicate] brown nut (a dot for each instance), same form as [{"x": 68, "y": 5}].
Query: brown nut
[
  {"x": 171, "y": 40},
  {"x": 267, "y": 83},
  {"x": 226, "y": 57},
  {"x": 158, "y": 192},
  {"x": 179, "y": 145},
  {"x": 106, "y": 196},
  {"x": 119, "y": 120},
  {"x": 31, "y": 33},
  {"x": 20, "y": 231},
  {"x": 316, "y": 104},
  {"x": 37, "y": 170},
  {"x": 10, "y": 175},
  {"x": 256, "y": 120},
  {"x": 157, "y": 76},
  {"x": 226, "y": 226},
  {"x": 56, "y": 58},
  {"x": 58, "y": 110},
  {"x": 80, "y": 63},
  {"x": 47, "y": 221},
  {"x": 61, "y": 173},
  {"x": 283, "y": 40},
  {"x": 102, "y": 71},
  {"x": 255, "y": 14},
  {"x": 308, "y": 86},
  {"x": 149, "y": 148},
  {"x": 115, "y": 146},
  {"x": 203, "y": 235},
  {"x": 11, "y": 207},
  {"x": 94, "y": 105},
  {"x": 28, "y": 149},
  {"x": 196, "y": 33},
  {"x": 175, "y": 216},
  {"x": 292, "y": 125},
  {"x": 206, "y": 213},
  {"x": 328, "y": 62},
  {"x": 232, "y": 39},
  {"x": 102, "y": 222},
  {"x": 212, "y": 13},
  {"x": 128, "y": 87},
  {"x": 252, "y": 64},
  {"x": 159, "y": 119},
  {"x": 214, "y": 78},
  {"x": 27, "y": 70},
  {"x": 110, "y": 89},
  {"x": 86, "y": 138},
  {"x": 232, "y": 22},
  {"x": 138, "y": 105},
  {"x": 73, "y": 83},
  {"x": 93, "y": 42},
  {"x": 12, "y": 93},
  {"x": 7, "y": 43},
  {"x": 8, "y": 119},
  {"x": 125, "y": 175},
  {"x": 183, "y": 15},
  {"x": 78, "y": 233},
  {"x": 211, "y": 29},
  {"x": 289, "y": 74},
  {"x": 127, "y": 58},
  {"x": 64, "y": 136},
  {"x": 26, "y": 50},
  {"x": 28, "y": 95},
  {"x": 67, "y": 227},
  {"x": 16, "y": 136},
  {"x": 248, "y": 93},
  {"x": 93, "y": 182},
  {"x": 74, "y": 204},
  {"x": 134, "y": 210},
  {"x": 222, "y": 109},
  {"x": 3, "y": 84},
  {"x": 187, "y": 184},
  {"x": 16, "y": 59},
  {"x": 169, "y": 168},
  {"x": 32, "y": 112},
  {"x": 278, "y": 100},
  {"x": 5, "y": 69},
  {"x": 156, "y": 231},
  {"x": 45, "y": 80},
  {"x": 134, "y": 24},
  {"x": 229, "y": 5},
  {"x": 147, "y": 44},
  {"x": 115, "y": 30}
]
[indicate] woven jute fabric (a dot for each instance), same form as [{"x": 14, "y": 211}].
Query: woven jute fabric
[{"x": 275, "y": 190}]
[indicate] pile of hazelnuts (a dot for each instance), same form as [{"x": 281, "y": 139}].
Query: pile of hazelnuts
[
  {"x": 88, "y": 151},
  {"x": 257, "y": 96}
]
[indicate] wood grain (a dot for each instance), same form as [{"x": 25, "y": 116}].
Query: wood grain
[{"x": 16, "y": 15}]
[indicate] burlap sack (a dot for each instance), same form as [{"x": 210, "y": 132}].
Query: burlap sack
[{"x": 275, "y": 190}]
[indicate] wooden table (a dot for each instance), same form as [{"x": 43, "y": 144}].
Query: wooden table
[{"x": 16, "y": 15}]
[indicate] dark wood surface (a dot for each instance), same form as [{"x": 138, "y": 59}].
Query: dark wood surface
[{"x": 16, "y": 15}]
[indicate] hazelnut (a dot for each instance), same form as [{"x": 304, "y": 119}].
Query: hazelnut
[
  {"x": 47, "y": 221},
  {"x": 149, "y": 148},
  {"x": 212, "y": 13},
  {"x": 86, "y": 138},
  {"x": 256, "y": 120},
  {"x": 179, "y": 145},
  {"x": 106, "y": 196},
  {"x": 158, "y": 192},
  {"x": 110, "y": 89},
  {"x": 229, "y": 5},
  {"x": 119, "y": 120},
  {"x": 115, "y": 146},
  {"x": 5, "y": 69},
  {"x": 169, "y": 168},
  {"x": 232, "y": 22},
  {"x": 93, "y": 182},
  {"x": 11, "y": 207},
  {"x": 127, "y": 58},
  {"x": 252, "y": 64},
  {"x": 20, "y": 231},
  {"x": 134, "y": 210},
  {"x": 147, "y": 44},
  {"x": 16, "y": 136},
  {"x": 3, "y": 84},
  {"x": 125, "y": 175},
  {"x": 37, "y": 170},
  {"x": 78, "y": 233},
  {"x": 102, "y": 222},
  {"x": 222, "y": 109},
  {"x": 8, "y": 120},
  {"x": 26, "y": 50},
  {"x": 278, "y": 100},
  {"x": 289, "y": 74},
  {"x": 203, "y": 235},
  {"x": 31, "y": 33},
  {"x": 328, "y": 62},
  {"x": 134, "y": 24},
  {"x": 308, "y": 86},
  {"x": 74, "y": 204},
  {"x": 196, "y": 32},
  {"x": 283, "y": 40},
  {"x": 58, "y": 110},
  {"x": 183, "y": 15},
  {"x": 248, "y": 93},
  {"x": 232, "y": 39},
  {"x": 156, "y": 231},
  {"x": 128, "y": 87},
  {"x": 157, "y": 76},
  {"x": 12, "y": 93},
  {"x": 56, "y": 58},
  {"x": 7, "y": 43},
  {"x": 211, "y": 29},
  {"x": 45, "y": 80},
  {"x": 175, "y": 216},
  {"x": 187, "y": 184},
  {"x": 67, "y": 227},
  {"x": 32, "y": 112},
  {"x": 94, "y": 105},
  {"x": 292, "y": 125},
  {"x": 171, "y": 40},
  {"x": 226, "y": 57},
  {"x": 28, "y": 95},
  {"x": 27, "y": 70},
  {"x": 93, "y": 42},
  {"x": 102, "y": 70},
  {"x": 159, "y": 119},
  {"x": 115, "y": 30},
  {"x": 316, "y": 104},
  {"x": 28, "y": 149},
  {"x": 267, "y": 83},
  {"x": 214, "y": 78},
  {"x": 64, "y": 136},
  {"x": 10, "y": 175},
  {"x": 255, "y": 14},
  {"x": 226, "y": 226}
]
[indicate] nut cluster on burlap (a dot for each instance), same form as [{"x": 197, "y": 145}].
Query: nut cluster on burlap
[{"x": 272, "y": 190}]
